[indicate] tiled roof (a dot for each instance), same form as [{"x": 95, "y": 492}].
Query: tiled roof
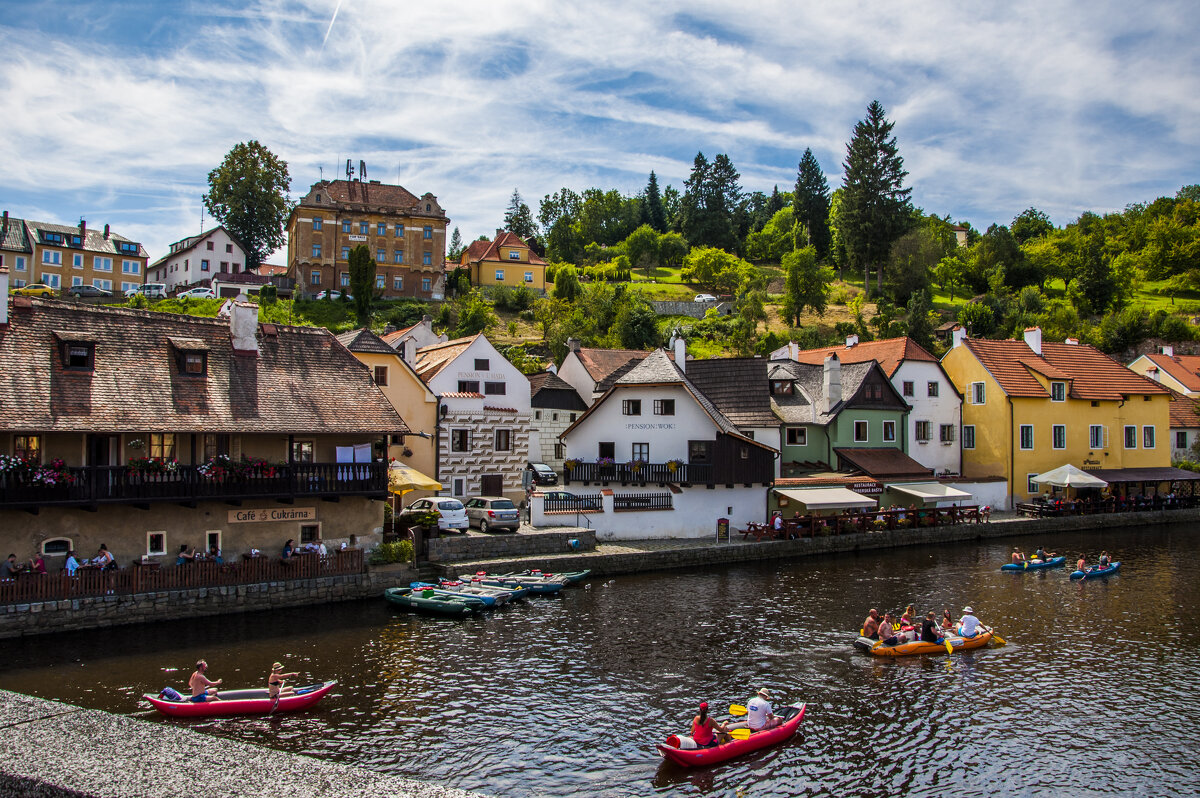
[
  {"x": 363, "y": 340},
  {"x": 807, "y": 405},
  {"x": 602, "y": 364},
  {"x": 1092, "y": 374},
  {"x": 13, "y": 237},
  {"x": 394, "y": 337},
  {"x": 93, "y": 241},
  {"x": 380, "y": 194},
  {"x": 653, "y": 369},
  {"x": 738, "y": 387},
  {"x": 889, "y": 353},
  {"x": 882, "y": 462},
  {"x": 1184, "y": 368},
  {"x": 301, "y": 381},
  {"x": 432, "y": 359},
  {"x": 490, "y": 250},
  {"x": 462, "y": 395},
  {"x": 1184, "y": 412}
]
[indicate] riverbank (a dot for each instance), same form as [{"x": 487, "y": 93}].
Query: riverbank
[{"x": 53, "y": 749}]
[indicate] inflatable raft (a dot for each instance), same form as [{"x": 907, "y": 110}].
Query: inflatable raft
[
  {"x": 242, "y": 702},
  {"x": 875, "y": 648},
  {"x": 429, "y": 601},
  {"x": 1096, "y": 572},
  {"x": 1034, "y": 565},
  {"x": 700, "y": 757}
]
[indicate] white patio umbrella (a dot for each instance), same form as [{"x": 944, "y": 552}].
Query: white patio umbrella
[{"x": 1069, "y": 476}]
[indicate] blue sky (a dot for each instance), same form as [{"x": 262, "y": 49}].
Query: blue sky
[{"x": 116, "y": 111}]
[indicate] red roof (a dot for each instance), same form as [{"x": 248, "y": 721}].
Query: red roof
[
  {"x": 890, "y": 353},
  {"x": 490, "y": 250},
  {"x": 432, "y": 359},
  {"x": 1184, "y": 413},
  {"x": 373, "y": 193},
  {"x": 1184, "y": 368},
  {"x": 1091, "y": 373}
]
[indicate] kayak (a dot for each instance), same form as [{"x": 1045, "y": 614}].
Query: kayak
[
  {"x": 920, "y": 647},
  {"x": 570, "y": 577},
  {"x": 242, "y": 702},
  {"x": 426, "y": 601},
  {"x": 699, "y": 757},
  {"x": 1033, "y": 565},
  {"x": 1096, "y": 571},
  {"x": 535, "y": 584},
  {"x": 459, "y": 590},
  {"x": 514, "y": 592}
]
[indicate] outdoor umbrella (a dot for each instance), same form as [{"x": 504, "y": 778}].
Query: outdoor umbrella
[{"x": 1069, "y": 476}]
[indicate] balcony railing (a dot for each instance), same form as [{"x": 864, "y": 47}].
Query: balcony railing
[
  {"x": 658, "y": 473},
  {"x": 95, "y": 485}
]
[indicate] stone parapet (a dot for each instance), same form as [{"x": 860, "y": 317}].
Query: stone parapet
[{"x": 523, "y": 544}]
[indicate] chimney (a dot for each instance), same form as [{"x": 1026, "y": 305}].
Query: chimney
[
  {"x": 1072, "y": 341},
  {"x": 680, "y": 347},
  {"x": 83, "y": 230},
  {"x": 4, "y": 291},
  {"x": 427, "y": 320},
  {"x": 1169, "y": 351},
  {"x": 793, "y": 350},
  {"x": 833, "y": 380},
  {"x": 4, "y": 228},
  {"x": 105, "y": 232},
  {"x": 499, "y": 232},
  {"x": 1033, "y": 337},
  {"x": 851, "y": 340},
  {"x": 553, "y": 369},
  {"x": 957, "y": 336},
  {"x": 243, "y": 327},
  {"x": 1153, "y": 374},
  {"x": 573, "y": 345}
]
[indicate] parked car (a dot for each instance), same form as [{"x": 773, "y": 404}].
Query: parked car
[
  {"x": 705, "y": 298},
  {"x": 199, "y": 292},
  {"x": 541, "y": 474},
  {"x": 149, "y": 290},
  {"x": 565, "y": 500},
  {"x": 87, "y": 290},
  {"x": 333, "y": 295},
  {"x": 451, "y": 513},
  {"x": 491, "y": 513},
  {"x": 35, "y": 289}
]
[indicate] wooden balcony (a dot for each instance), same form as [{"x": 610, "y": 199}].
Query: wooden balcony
[
  {"x": 94, "y": 486},
  {"x": 648, "y": 473}
]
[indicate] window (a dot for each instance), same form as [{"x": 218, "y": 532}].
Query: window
[
  {"x": 700, "y": 451},
  {"x": 1058, "y": 434},
  {"x": 302, "y": 451},
  {"x": 499, "y": 275},
  {"x": 495, "y": 388},
  {"x": 399, "y": 231},
  {"x": 381, "y": 229},
  {"x": 641, "y": 451},
  {"x": 607, "y": 449},
  {"x": 781, "y": 387},
  {"x": 1130, "y": 437},
  {"x": 514, "y": 254},
  {"x": 572, "y": 418},
  {"x": 537, "y": 415},
  {"x": 397, "y": 283},
  {"x": 978, "y": 393},
  {"x": 52, "y": 238},
  {"x": 426, "y": 283},
  {"x": 56, "y": 547},
  {"x": 1031, "y": 487},
  {"x": 345, "y": 225},
  {"x": 213, "y": 538},
  {"x": 381, "y": 256},
  {"x": 1181, "y": 440},
  {"x": 229, "y": 247},
  {"x": 52, "y": 280},
  {"x": 946, "y": 433},
  {"x": 503, "y": 440},
  {"x": 860, "y": 431},
  {"x": 460, "y": 486},
  {"x": 397, "y": 256},
  {"x": 428, "y": 232},
  {"x": 76, "y": 281},
  {"x": 908, "y": 388},
  {"x": 554, "y": 416},
  {"x": 131, "y": 267},
  {"x": 889, "y": 431},
  {"x": 317, "y": 223},
  {"x": 874, "y": 392},
  {"x": 427, "y": 259},
  {"x": 156, "y": 543},
  {"x": 381, "y": 375},
  {"x": 364, "y": 228},
  {"x": 1058, "y": 392},
  {"x": 51, "y": 257},
  {"x": 105, "y": 284},
  {"x": 1026, "y": 436},
  {"x": 126, "y": 286},
  {"x": 1147, "y": 437},
  {"x": 78, "y": 354},
  {"x": 210, "y": 246},
  {"x": 931, "y": 389},
  {"x": 345, "y": 279},
  {"x": 315, "y": 278},
  {"x": 309, "y": 532},
  {"x": 102, "y": 264},
  {"x": 921, "y": 431},
  {"x": 460, "y": 440},
  {"x": 560, "y": 451},
  {"x": 195, "y": 363},
  {"x": 316, "y": 251},
  {"x": 162, "y": 445},
  {"x": 968, "y": 439},
  {"x": 797, "y": 436},
  {"x": 1096, "y": 437},
  {"x": 468, "y": 386},
  {"x": 664, "y": 407},
  {"x": 77, "y": 261},
  {"x": 345, "y": 253},
  {"x": 76, "y": 241},
  {"x": 20, "y": 263},
  {"x": 129, "y": 246},
  {"x": 28, "y": 447},
  {"x": 529, "y": 277},
  {"x": 215, "y": 445},
  {"x": 631, "y": 407},
  {"x": 381, "y": 281},
  {"x": 316, "y": 254}
]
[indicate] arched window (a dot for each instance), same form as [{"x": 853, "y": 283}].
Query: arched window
[
  {"x": 428, "y": 207},
  {"x": 56, "y": 547}
]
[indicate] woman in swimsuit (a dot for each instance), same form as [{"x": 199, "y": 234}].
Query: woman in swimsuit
[{"x": 275, "y": 686}]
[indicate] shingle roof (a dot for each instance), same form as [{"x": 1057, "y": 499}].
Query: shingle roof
[
  {"x": 363, "y": 340},
  {"x": 1091, "y": 373},
  {"x": 1184, "y": 412},
  {"x": 490, "y": 250},
  {"x": 432, "y": 359},
  {"x": 605, "y": 366},
  {"x": 882, "y": 462},
  {"x": 93, "y": 241},
  {"x": 1184, "y": 368},
  {"x": 13, "y": 237},
  {"x": 738, "y": 387},
  {"x": 380, "y": 194},
  {"x": 184, "y": 244},
  {"x": 302, "y": 380},
  {"x": 392, "y": 338},
  {"x": 889, "y": 353},
  {"x": 808, "y": 404}
]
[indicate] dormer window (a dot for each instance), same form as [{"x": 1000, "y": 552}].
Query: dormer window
[
  {"x": 79, "y": 355},
  {"x": 194, "y": 363},
  {"x": 76, "y": 241},
  {"x": 191, "y": 356},
  {"x": 129, "y": 246},
  {"x": 514, "y": 254},
  {"x": 874, "y": 392},
  {"x": 52, "y": 238},
  {"x": 782, "y": 387},
  {"x": 1058, "y": 392}
]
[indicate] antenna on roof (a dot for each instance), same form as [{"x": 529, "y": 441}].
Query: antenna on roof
[
  {"x": 349, "y": 169},
  {"x": 201, "y": 214},
  {"x": 322, "y": 170},
  {"x": 362, "y": 170}
]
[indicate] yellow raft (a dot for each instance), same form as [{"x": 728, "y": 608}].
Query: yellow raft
[{"x": 875, "y": 648}]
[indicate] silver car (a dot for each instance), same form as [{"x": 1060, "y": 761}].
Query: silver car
[{"x": 493, "y": 513}]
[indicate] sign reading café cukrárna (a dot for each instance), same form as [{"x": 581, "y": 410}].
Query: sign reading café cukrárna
[{"x": 246, "y": 516}]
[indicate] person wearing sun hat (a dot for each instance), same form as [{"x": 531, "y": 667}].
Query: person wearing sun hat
[
  {"x": 760, "y": 715},
  {"x": 968, "y": 625},
  {"x": 275, "y": 686}
]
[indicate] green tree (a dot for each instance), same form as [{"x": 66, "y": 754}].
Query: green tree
[
  {"x": 672, "y": 249},
  {"x": 475, "y": 315},
  {"x": 518, "y": 219},
  {"x": 811, "y": 203},
  {"x": 636, "y": 323},
  {"x": 656, "y": 214},
  {"x": 949, "y": 273},
  {"x": 268, "y": 295},
  {"x": 248, "y": 195},
  {"x": 776, "y": 238},
  {"x": 749, "y": 310},
  {"x": 362, "y": 282},
  {"x": 456, "y": 247},
  {"x": 920, "y": 319},
  {"x": 642, "y": 248},
  {"x": 875, "y": 208},
  {"x": 566, "y": 284},
  {"x": 1030, "y": 224},
  {"x": 716, "y": 269},
  {"x": 977, "y": 319},
  {"x": 806, "y": 285},
  {"x": 710, "y": 196}
]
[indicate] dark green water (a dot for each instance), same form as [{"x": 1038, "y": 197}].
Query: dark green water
[{"x": 1097, "y": 691}]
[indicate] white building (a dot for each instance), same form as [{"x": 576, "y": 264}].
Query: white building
[
  {"x": 935, "y": 423},
  {"x": 197, "y": 259},
  {"x": 413, "y": 337},
  {"x": 591, "y": 372},
  {"x": 484, "y": 429},
  {"x": 556, "y": 406}
]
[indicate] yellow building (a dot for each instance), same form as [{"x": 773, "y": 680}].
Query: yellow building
[
  {"x": 1030, "y": 407},
  {"x": 62, "y": 256},
  {"x": 506, "y": 261}
]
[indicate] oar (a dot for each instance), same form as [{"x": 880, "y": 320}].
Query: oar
[
  {"x": 996, "y": 637},
  {"x": 737, "y": 709},
  {"x": 739, "y": 734},
  {"x": 949, "y": 648}
]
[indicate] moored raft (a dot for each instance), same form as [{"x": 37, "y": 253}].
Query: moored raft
[
  {"x": 699, "y": 757},
  {"x": 957, "y": 643},
  {"x": 428, "y": 601},
  {"x": 243, "y": 702},
  {"x": 1095, "y": 572},
  {"x": 491, "y": 597},
  {"x": 535, "y": 584},
  {"x": 1034, "y": 565}
]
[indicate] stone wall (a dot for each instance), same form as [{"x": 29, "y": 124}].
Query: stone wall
[
  {"x": 455, "y": 549},
  {"x": 18, "y": 620},
  {"x": 694, "y": 309}
]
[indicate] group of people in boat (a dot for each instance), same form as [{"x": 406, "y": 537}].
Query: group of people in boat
[
  {"x": 1103, "y": 561},
  {"x": 760, "y": 716},
  {"x": 204, "y": 689},
  {"x": 1041, "y": 555},
  {"x": 892, "y": 632}
]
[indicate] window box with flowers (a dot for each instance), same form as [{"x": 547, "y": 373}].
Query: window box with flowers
[
  {"x": 52, "y": 479},
  {"x": 674, "y": 465},
  {"x": 153, "y": 469}
]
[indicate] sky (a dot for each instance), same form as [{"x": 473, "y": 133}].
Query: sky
[{"x": 116, "y": 111}]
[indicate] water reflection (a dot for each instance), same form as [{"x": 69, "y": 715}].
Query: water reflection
[{"x": 568, "y": 695}]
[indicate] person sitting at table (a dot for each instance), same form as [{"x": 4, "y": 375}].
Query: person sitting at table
[
  {"x": 288, "y": 550},
  {"x": 37, "y": 565},
  {"x": 71, "y": 564},
  {"x": 185, "y": 557},
  {"x": 777, "y": 523},
  {"x": 9, "y": 568},
  {"x": 321, "y": 549},
  {"x": 104, "y": 559},
  {"x": 214, "y": 554}
]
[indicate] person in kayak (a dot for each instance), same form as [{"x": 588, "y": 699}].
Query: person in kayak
[
  {"x": 887, "y": 632},
  {"x": 203, "y": 688},
  {"x": 1017, "y": 556},
  {"x": 968, "y": 625},
  {"x": 760, "y": 716},
  {"x": 1105, "y": 560},
  {"x": 706, "y": 732},
  {"x": 1081, "y": 563},
  {"x": 870, "y": 627},
  {"x": 929, "y": 632},
  {"x": 275, "y": 683}
]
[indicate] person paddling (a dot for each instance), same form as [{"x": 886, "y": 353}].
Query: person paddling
[
  {"x": 929, "y": 632},
  {"x": 203, "y": 688},
  {"x": 968, "y": 625},
  {"x": 706, "y": 732},
  {"x": 1105, "y": 560},
  {"x": 275, "y": 686},
  {"x": 760, "y": 716}
]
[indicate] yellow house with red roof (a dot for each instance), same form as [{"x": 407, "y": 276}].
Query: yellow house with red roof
[
  {"x": 1029, "y": 407},
  {"x": 505, "y": 261}
]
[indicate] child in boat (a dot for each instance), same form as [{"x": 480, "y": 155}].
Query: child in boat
[
  {"x": 275, "y": 686},
  {"x": 706, "y": 732}
]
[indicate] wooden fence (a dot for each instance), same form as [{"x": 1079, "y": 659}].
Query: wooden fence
[{"x": 642, "y": 501}]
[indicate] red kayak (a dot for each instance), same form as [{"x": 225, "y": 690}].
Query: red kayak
[
  {"x": 699, "y": 757},
  {"x": 242, "y": 702}
]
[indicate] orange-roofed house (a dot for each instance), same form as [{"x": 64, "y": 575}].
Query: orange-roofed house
[
  {"x": 506, "y": 260},
  {"x": 1178, "y": 372},
  {"x": 1031, "y": 406}
]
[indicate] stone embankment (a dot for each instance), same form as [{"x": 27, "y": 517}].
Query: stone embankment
[{"x": 55, "y": 750}]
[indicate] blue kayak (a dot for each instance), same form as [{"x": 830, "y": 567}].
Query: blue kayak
[
  {"x": 1033, "y": 565},
  {"x": 1096, "y": 571}
]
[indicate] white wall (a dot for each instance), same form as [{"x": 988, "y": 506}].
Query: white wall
[
  {"x": 516, "y": 392},
  {"x": 575, "y": 375},
  {"x": 993, "y": 493},
  {"x": 1185, "y": 453},
  {"x": 694, "y": 516},
  {"x": 668, "y": 436},
  {"x": 945, "y": 408},
  {"x": 184, "y": 268}
]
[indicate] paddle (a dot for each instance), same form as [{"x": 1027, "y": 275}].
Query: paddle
[
  {"x": 949, "y": 648},
  {"x": 739, "y": 734},
  {"x": 737, "y": 709},
  {"x": 995, "y": 636}
]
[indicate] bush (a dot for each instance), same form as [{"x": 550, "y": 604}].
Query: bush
[{"x": 399, "y": 551}]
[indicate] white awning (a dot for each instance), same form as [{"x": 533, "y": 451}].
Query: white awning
[
  {"x": 832, "y": 498},
  {"x": 932, "y": 491}
]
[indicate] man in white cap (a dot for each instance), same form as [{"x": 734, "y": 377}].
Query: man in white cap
[
  {"x": 759, "y": 714},
  {"x": 968, "y": 625}
]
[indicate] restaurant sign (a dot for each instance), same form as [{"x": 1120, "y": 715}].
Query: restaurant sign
[
  {"x": 866, "y": 488},
  {"x": 245, "y": 516}
]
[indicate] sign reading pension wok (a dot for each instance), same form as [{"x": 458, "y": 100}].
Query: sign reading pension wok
[{"x": 246, "y": 516}]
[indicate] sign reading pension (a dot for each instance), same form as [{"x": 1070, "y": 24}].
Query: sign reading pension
[{"x": 273, "y": 514}]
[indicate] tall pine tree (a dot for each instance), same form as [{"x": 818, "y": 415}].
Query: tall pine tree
[
  {"x": 811, "y": 203},
  {"x": 456, "y": 247},
  {"x": 656, "y": 215},
  {"x": 711, "y": 195},
  {"x": 518, "y": 219},
  {"x": 875, "y": 208}
]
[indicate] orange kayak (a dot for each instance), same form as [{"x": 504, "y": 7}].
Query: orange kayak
[{"x": 875, "y": 648}]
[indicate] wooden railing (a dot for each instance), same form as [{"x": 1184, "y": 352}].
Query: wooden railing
[
  {"x": 808, "y": 526},
  {"x": 1114, "y": 504},
  {"x": 642, "y": 501},
  {"x": 579, "y": 503},
  {"x": 119, "y": 484},
  {"x": 660, "y": 473},
  {"x": 30, "y": 587}
]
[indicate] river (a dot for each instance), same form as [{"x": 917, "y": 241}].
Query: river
[{"x": 1097, "y": 690}]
